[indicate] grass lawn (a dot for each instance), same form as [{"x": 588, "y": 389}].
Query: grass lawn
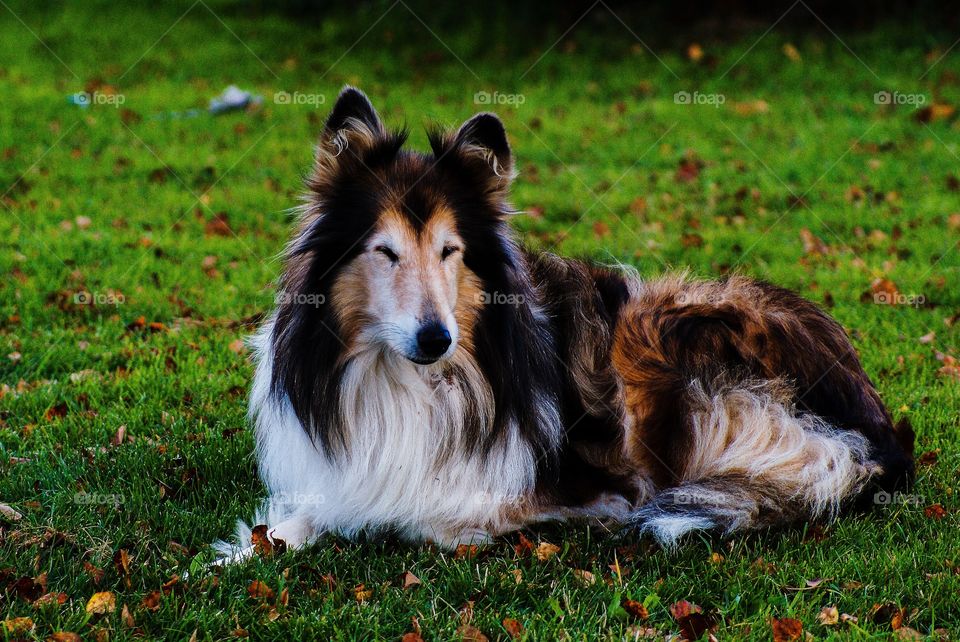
[{"x": 138, "y": 244}]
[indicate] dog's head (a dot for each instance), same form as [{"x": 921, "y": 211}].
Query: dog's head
[
  {"x": 394, "y": 240},
  {"x": 407, "y": 257}
]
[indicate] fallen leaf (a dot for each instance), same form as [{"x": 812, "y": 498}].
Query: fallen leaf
[
  {"x": 601, "y": 229},
  {"x": 683, "y": 608},
  {"x": 466, "y": 550},
  {"x": 635, "y": 609},
  {"x": 219, "y": 225},
  {"x": 791, "y": 52},
  {"x": 102, "y": 603},
  {"x": 409, "y": 580},
  {"x": 934, "y": 112},
  {"x": 8, "y": 513},
  {"x": 585, "y": 578},
  {"x": 470, "y": 633},
  {"x": 513, "y": 627},
  {"x": 936, "y": 511},
  {"x": 361, "y": 593},
  {"x": 64, "y": 636},
  {"x": 829, "y": 616},
  {"x": 687, "y": 171},
  {"x": 259, "y": 590},
  {"x": 812, "y": 244},
  {"x": 18, "y": 625},
  {"x": 151, "y": 601},
  {"x": 929, "y": 458},
  {"x": 411, "y": 637},
  {"x": 51, "y": 598},
  {"x": 127, "y": 618},
  {"x": 523, "y": 545},
  {"x": 785, "y": 629},
  {"x": 546, "y": 550},
  {"x": 906, "y": 633}
]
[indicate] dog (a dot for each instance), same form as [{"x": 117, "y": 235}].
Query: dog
[{"x": 426, "y": 375}]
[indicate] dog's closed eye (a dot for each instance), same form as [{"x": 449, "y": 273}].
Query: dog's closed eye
[{"x": 387, "y": 252}]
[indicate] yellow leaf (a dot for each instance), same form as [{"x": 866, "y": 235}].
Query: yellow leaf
[{"x": 102, "y": 603}]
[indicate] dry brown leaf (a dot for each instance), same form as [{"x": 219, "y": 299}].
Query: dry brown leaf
[
  {"x": 65, "y": 636},
  {"x": 791, "y": 52},
  {"x": 127, "y": 618},
  {"x": 409, "y": 580},
  {"x": 635, "y": 609},
  {"x": 812, "y": 244},
  {"x": 513, "y": 627},
  {"x": 584, "y": 578},
  {"x": 260, "y": 590},
  {"x": 361, "y": 593},
  {"x": 102, "y": 603},
  {"x": 466, "y": 550},
  {"x": 9, "y": 513},
  {"x": 601, "y": 230},
  {"x": 411, "y": 637},
  {"x": 934, "y": 112},
  {"x": 151, "y": 601},
  {"x": 906, "y": 633},
  {"x": 829, "y": 616},
  {"x": 469, "y": 633},
  {"x": 546, "y": 550},
  {"x": 936, "y": 511},
  {"x": 786, "y": 629},
  {"x": 18, "y": 625}
]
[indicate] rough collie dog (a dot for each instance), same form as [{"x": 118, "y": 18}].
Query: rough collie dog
[{"x": 425, "y": 374}]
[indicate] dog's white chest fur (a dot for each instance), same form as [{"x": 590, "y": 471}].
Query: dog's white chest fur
[{"x": 405, "y": 464}]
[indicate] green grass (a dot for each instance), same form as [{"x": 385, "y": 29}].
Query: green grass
[{"x": 598, "y": 128}]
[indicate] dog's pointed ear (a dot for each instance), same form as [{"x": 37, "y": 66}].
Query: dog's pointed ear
[
  {"x": 485, "y": 137},
  {"x": 353, "y": 110}
]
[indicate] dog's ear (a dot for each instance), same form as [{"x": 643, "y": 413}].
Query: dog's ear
[
  {"x": 352, "y": 111},
  {"x": 353, "y": 141},
  {"x": 484, "y": 136},
  {"x": 479, "y": 149}
]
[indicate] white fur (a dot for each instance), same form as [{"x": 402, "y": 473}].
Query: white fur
[{"x": 406, "y": 465}]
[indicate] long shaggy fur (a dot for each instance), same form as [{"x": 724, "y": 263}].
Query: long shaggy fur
[{"x": 560, "y": 390}]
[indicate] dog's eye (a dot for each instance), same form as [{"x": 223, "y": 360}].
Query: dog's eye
[
  {"x": 447, "y": 251},
  {"x": 387, "y": 252}
]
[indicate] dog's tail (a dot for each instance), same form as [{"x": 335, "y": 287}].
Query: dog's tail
[{"x": 753, "y": 461}]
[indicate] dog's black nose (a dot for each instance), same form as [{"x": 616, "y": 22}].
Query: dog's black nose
[{"x": 433, "y": 340}]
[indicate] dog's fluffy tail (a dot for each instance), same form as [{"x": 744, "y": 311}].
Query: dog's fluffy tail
[{"x": 754, "y": 461}]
